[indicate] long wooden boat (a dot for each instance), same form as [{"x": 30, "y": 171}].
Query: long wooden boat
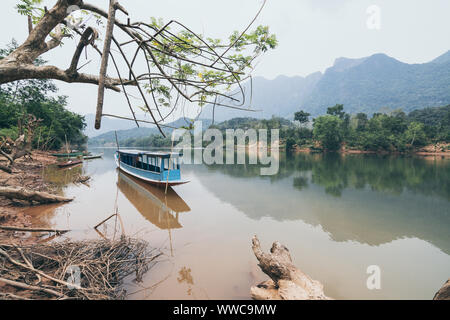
[
  {"x": 157, "y": 168},
  {"x": 94, "y": 156},
  {"x": 69, "y": 163},
  {"x": 68, "y": 155}
]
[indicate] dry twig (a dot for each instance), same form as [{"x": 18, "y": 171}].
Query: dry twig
[{"x": 103, "y": 266}]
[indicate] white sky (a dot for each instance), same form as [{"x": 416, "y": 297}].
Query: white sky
[{"x": 311, "y": 33}]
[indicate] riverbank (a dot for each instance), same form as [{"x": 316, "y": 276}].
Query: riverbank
[
  {"x": 26, "y": 173},
  {"x": 441, "y": 149},
  {"x": 33, "y": 267}
]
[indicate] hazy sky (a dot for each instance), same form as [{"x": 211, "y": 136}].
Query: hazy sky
[{"x": 311, "y": 33}]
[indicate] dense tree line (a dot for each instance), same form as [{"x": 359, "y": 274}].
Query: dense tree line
[
  {"x": 393, "y": 132},
  {"x": 396, "y": 131},
  {"x": 39, "y": 98},
  {"x": 154, "y": 140},
  {"x": 389, "y": 132}
]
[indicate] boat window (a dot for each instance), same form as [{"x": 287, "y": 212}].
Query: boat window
[{"x": 175, "y": 163}]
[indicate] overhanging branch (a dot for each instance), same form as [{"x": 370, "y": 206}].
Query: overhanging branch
[
  {"x": 12, "y": 72},
  {"x": 179, "y": 62}
]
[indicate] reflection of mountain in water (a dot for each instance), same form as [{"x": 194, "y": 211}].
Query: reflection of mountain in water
[
  {"x": 368, "y": 199},
  {"x": 160, "y": 209}
]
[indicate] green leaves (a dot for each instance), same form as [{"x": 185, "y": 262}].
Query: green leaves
[
  {"x": 37, "y": 97},
  {"x": 302, "y": 117},
  {"x": 201, "y": 67},
  {"x": 327, "y": 131},
  {"x": 180, "y": 65},
  {"x": 261, "y": 38},
  {"x": 30, "y": 8}
]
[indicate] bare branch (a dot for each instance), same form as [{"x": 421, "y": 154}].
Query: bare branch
[
  {"x": 30, "y": 24},
  {"x": 35, "y": 44},
  {"x": 180, "y": 63},
  {"x": 14, "y": 72},
  {"x": 88, "y": 37},
  {"x": 105, "y": 58}
]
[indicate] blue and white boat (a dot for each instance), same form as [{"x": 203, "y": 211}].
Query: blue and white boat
[{"x": 157, "y": 168}]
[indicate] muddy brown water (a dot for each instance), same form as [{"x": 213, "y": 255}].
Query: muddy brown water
[{"x": 337, "y": 214}]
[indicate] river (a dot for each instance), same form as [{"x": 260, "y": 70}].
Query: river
[{"x": 337, "y": 214}]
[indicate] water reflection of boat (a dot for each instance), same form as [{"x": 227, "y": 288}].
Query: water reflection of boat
[
  {"x": 93, "y": 156},
  {"x": 160, "y": 209},
  {"x": 70, "y": 163}
]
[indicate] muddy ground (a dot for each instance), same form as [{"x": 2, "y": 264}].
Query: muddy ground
[{"x": 27, "y": 173}]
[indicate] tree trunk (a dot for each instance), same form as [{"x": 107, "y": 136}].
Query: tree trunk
[
  {"x": 22, "y": 146},
  {"x": 444, "y": 292},
  {"x": 287, "y": 282},
  {"x": 32, "y": 196}
]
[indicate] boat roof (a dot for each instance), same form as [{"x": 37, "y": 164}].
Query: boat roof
[{"x": 160, "y": 154}]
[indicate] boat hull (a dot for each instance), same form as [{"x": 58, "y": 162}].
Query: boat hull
[{"x": 138, "y": 173}]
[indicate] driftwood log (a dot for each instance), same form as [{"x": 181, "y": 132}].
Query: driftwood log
[
  {"x": 444, "y": 292},
  {"x": 31, "y": 196},
  {"x": 286, "y": 281},
  {"x": 5, "y": 169},
  {"x": 10, "y": 228}
]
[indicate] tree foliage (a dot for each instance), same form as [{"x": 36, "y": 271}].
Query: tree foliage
[
  {"x": 37, "y": 97},
  {"x": 396, "y": 131},
  {"x": 302, "y": 117},
  {"x": 163, "y": 65},
  {"x": 327, "y": 130}
]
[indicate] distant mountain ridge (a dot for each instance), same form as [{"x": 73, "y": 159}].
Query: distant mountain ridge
[
  {"x": 109, "y": 138},
  {"x": 108, "y": 124},
  {"x": 270, "y": 97},
  {"x": 380, "y": 81},
  {"x": 442, "y": 58},
  {"x": 370, "y": 84},
  {"x": 377, "y": 83}
]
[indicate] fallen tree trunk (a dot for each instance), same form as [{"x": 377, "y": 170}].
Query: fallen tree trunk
[
  {"x": 287, "y": 282},
  {"x": 444, "y": 292},
  {"x": 32, "y": 196},
  {"x": 6, "y": 169},
  {"x": 8, "y": 228}
]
